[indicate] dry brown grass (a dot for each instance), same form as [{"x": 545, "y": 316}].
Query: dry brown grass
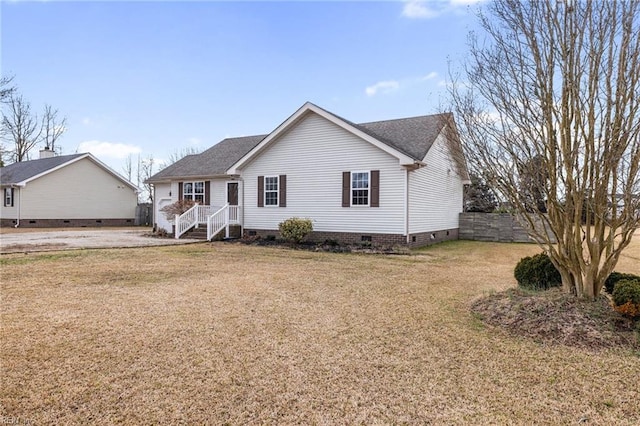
[{"x": 214, "y": 334}]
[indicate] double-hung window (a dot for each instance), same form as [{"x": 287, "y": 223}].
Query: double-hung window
[
  {"x": 8, "y": 197},
  {"x": 271, "y": 185},
  {"x": 193, "y": 191},
  {"x": 360, "y": 188},
  {"x": 272, "y": 191}
]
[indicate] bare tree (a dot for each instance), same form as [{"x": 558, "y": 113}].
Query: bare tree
[
  {"x": 557, "y": 84},
  {"x": 145, "y": 171},
  {"x": 20, "y": 127},
  {"x": 52, "y": 127},
  {"x": 6, "y": 90},
  {"x": 180, "y": 154},
  {"x": 127, "y": 169}
]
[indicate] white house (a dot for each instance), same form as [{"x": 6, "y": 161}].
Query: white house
[
  {"x": 387, "y": 182},
  {"x": 67, "y": 190}
]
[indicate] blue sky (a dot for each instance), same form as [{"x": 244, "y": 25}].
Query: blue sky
[{"x": 156, "y": 77}]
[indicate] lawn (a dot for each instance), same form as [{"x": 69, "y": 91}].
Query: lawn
[{"x": 228, "y": 333}]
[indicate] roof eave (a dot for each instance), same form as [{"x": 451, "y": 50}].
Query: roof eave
[{"x": 295, "y": 117}]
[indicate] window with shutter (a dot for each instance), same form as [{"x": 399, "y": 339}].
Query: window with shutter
[
  {"x": 361, "y": 188},
  {"x": 193, "y": 191},
  {"x": 272, "y": 191}
]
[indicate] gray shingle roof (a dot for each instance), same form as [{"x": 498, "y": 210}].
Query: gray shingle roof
[
  {"x": 214, "y": 161},
  {"x": 412, "y": 136},
  {"x": 21, "y": 171}
]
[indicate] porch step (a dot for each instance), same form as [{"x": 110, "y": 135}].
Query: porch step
[{"x": 196, "y": 233}]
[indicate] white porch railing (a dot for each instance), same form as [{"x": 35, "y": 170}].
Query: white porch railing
[
  {"x": 186, "y": 221},
  {"x": 216, "y": 218},
  {"x": 217, "y": 222},
  {"x": 221, "y": 219}
]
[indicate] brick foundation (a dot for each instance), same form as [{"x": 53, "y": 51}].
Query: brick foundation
[
  {"x": 66, "y": 223},
  {"x": 376, "y": 240}
]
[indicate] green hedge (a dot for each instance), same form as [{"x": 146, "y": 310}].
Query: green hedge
[{"x": 537, "y": 273}]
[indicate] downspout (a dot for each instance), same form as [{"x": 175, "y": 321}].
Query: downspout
[
  {"x": 18, "y": 203},
  {"x": 406, "y": 205}
]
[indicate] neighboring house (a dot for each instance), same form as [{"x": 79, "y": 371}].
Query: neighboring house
[
  {"x": 388, "y": 182},
  {"x": 67, "y": 190}
]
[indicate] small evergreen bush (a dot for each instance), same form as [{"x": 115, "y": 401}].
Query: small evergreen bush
[
  {"x": 612, "y": 279},
  {"x": 295, "y": 229},
  {"x": 626, "y": 297},
  {"x": 537, "y": 273}
]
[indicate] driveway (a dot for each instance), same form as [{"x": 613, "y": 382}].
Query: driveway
[{"x": 30, "y": 240}]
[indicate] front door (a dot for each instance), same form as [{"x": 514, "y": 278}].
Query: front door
[{"x": 232, "y": 193}]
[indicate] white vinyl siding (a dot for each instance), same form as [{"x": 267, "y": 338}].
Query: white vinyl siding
[
  {"x": 9, "y": 211},
  {"x": 435, "y": 192},
  {"x": 314, "y": 154},
  {"x": 80, "y": 190}
]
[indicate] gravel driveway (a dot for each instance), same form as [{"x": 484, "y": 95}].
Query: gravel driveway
[{"x": 65, "y": 239}]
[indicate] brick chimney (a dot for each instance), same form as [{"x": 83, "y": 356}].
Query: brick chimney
[{"x": 46, "y": 153}]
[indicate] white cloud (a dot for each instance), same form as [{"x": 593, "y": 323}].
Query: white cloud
[
  {"x": 464, "y": 2},
  {"x": 87, "y": 121},
  {"x": 427, "y": 9},
  {"x": 382, "y": 87},
  {"x": 389, "y": 86},
  {"x": 430, "y": 76},
  {"x": 418, "y": 9},
  {"x": 103, "y": 149},
  {"x": 194, "y": 141}
]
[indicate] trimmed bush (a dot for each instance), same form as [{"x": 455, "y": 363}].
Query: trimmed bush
[
  {"x": 626, "y": 297},
  {"x": 295, "y": 229},
  {"x": 612, "y": 279},
  {"x": 537, "y": 273}
]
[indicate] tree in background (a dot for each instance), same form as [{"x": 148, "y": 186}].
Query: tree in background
[
  {"x": 138, "y": 173},
  {"x": 557, "y": 84},
  {"x": 479, "y": 197},
  {"x": 21, "y": 129},
  {"x": 180, "y": 154},
  {"x": 53, "y": 127},
  {"x": 533, "y": 184},
  {"x": 6, "y": 89}
]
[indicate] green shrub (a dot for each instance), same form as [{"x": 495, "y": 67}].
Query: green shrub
[
  {"x": 537, "y": 273},
  {"x": 626, "y": 297},
  {"x": 295, "y": 229},
  {"x": 612, "y": 279}
]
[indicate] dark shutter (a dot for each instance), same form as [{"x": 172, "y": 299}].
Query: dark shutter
[
  {"x": 283, "y": 191},
  {"x": 12, "y": 195},
  {"x": 346, "y": 189},
  {"x": 180, "y": 194},
  {"x": 260, "y": 191},
  {"x": 375, "y": 188},
  {"x": 207, "y": 193}
]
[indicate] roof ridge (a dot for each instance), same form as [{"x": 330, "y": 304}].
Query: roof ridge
[{"x": 404, "y": 118}]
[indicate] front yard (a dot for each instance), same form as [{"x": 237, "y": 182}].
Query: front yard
[{"x": 229, "y": 333}]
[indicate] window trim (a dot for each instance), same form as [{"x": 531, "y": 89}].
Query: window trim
[
  {"x": 276, "y": 191},
  {"x": 352, "y": 188},
  {"x": 191, "y": 195}
]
